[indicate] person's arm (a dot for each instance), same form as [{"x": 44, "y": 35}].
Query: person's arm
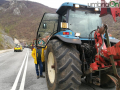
[
  {"x": 33, "y": 53},
  {"x": 45, "y": 48}
]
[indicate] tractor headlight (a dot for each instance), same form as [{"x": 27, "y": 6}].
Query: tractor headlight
[
  {"x": 77, "y": 34},
  {"x": 77, "y": 6},
  {"x": 96, "y": 9}
]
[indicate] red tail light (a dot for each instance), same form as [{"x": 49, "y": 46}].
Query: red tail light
[{"x": 65, "y": 33}]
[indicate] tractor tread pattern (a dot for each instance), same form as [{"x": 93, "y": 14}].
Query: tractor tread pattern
[
  {"x": 75, "y": 81},
  {"x": 74, "y": 49},
  {"x": 72, "y": 89},
  {"x": 66, "y": 77},
  {"x": 59, "y": 47},
  {"x": 76, "y": 69},
  {"x": 56, "y": 41},
  {"x": 65, "y": 65},
  {"x": 67, "y": 86},
  {"x": 62, "y": 55},
  {"x": 75, "y": 58}
]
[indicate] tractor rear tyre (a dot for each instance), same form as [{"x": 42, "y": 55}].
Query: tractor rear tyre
[{"x": 63, "y": 66}]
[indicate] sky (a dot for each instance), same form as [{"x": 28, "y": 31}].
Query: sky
[{"x": 57, "y": 3}]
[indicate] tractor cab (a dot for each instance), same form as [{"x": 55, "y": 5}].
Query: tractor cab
[
  {"x": 79, "y": 18},
  {"x": 72, "y": 23}
]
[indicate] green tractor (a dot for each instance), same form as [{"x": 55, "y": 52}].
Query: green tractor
[{"x": 76, "y": 48}]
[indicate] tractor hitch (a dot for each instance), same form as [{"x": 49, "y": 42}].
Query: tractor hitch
[
  {"x": 106, "y": 57},
  {"x": 115, "y": 78}
]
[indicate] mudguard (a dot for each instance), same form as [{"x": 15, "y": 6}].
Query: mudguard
[{"x": 67, "y": 40}]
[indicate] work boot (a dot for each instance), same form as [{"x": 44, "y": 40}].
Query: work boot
[
  {"x": 42, "y": 76},
  {"x": 37, "y": 77}
]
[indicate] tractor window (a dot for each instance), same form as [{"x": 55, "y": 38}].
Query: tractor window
[
  {"x": 63, "y": 18},
  {"x": 83, "y": 22},
  {"x": 48, "y": 27}
]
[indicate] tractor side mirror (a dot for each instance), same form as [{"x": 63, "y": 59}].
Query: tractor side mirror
[{"x": 44, "y": 25}]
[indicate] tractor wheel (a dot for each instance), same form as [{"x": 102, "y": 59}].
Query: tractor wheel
[{"x": 63, "y": 66}]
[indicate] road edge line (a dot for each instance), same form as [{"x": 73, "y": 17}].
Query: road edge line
[{"x": 18, "y": 75}]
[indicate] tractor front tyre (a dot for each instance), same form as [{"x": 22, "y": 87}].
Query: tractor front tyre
[{"x": 63, "y": 66}]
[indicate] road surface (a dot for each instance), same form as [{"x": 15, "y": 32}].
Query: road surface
[{"x": 17, "y": 72}]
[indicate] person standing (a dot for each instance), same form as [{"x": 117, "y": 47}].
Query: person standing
[{"x": 37, "y": 54}]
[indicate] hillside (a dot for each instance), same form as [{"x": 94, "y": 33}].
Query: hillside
[
  {"x": 6, "y": 42},
  {"x": 21, "y": 19}
]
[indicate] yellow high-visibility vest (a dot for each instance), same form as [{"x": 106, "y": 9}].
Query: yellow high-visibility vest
[{"x": 34, "y": 55}]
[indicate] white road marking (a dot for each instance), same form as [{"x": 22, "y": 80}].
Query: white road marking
[
  {"x": 5, "y": 54},
  {"x": 18, "y": 75},
  {"x": 24, "y": 75}
]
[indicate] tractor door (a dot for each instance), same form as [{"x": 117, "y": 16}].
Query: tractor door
[{"x": 47, "y": 27}]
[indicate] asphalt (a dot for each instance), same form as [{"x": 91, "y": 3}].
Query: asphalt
[
  {"x": 12, "y": 79},
  {"x": 10, "y": 64}
]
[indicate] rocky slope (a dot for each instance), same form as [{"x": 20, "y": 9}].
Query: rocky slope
[
  {"x": 21, "y": 19},
  {"x": 6, "y": 42}
]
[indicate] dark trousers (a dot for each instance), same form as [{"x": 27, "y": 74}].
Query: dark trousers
[{"x": 39, "y": 63}]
